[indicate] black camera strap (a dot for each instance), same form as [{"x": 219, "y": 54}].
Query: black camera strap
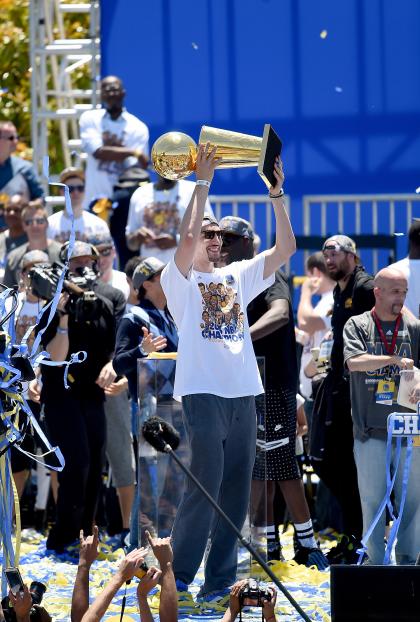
[{"x": 124, "y": 600}]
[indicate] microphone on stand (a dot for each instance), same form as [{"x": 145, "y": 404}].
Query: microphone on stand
[{"x": 163, "y": 437}]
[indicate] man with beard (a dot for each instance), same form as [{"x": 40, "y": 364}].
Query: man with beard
[
  {"x": 270, "y": 317},
  {"x": 114, "y": 140},
  {"x": 377, "y": 345},
  {"x": 332, "y": 424},
  {"x": 217, "y": 377}
]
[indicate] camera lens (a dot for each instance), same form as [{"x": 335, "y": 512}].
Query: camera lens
[{"x": 37, "y": 590}]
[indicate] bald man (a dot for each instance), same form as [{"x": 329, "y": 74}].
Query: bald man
[
  {"x": 377, "y": 345},
  {"x": 114, "y": 140}
]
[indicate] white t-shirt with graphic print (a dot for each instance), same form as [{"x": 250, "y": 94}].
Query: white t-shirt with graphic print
[
  {"x": 86, "y": 226},
  {"x": 162, "y": 212},
  {"x": 97, "y": 129},
  {"x": 215, "y": 352}
]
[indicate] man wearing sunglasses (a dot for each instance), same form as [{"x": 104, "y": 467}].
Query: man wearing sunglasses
[
  {"x": 86, "y": 224},
  {"x": 217, "y": 377},
  {"x": 17, "y": 176},
  {"x": 107, "y": 273},
  {"x": 35, "y": 225}
]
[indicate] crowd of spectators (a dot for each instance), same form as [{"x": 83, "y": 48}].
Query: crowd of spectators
[{"x": 356, "y": 331}]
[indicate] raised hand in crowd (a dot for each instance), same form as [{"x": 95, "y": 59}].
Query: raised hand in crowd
[
  {"x": 147, "y": 583},
  {"x": 168, "y": 607},
  {"x": 89, "y": 551},
  {"x": 126, "y": 571},
  {"x": 22, "y": 604},
  {"x": 269, "y": 606},
  {"x": 234, "y": 602}
]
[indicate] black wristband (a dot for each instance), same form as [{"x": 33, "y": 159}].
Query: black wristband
[
  {"x": 61, "y": 313},
  {"x": 276, "y": 196}
]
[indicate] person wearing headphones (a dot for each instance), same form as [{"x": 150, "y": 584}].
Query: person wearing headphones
[{"x": 75, "y": 416}]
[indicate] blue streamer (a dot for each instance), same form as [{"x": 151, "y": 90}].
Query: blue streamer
[
  {"x": 396, "y": 524},
  {"x": 386, "y": 501}
]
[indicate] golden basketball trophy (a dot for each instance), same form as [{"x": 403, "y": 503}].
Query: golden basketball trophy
[{"x": 174, "y": 154}]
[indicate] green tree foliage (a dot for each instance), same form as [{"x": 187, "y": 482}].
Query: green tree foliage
[{"x": 15, "y": 73}]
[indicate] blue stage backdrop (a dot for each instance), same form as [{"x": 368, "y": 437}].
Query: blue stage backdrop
[{"x": 339, "y": 81}]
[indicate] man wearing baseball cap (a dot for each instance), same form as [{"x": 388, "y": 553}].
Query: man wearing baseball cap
[
  {"x": 333, "y": 452},
  {"x": 75, "y": 417},
  {"x": 270, "y": 317}
]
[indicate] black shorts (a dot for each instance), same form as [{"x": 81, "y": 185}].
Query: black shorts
[{"x": 276, "y": 420}]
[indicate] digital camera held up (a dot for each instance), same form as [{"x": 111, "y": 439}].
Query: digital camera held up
[
  {"x": 37, "y": 590},
  {"x": 83, "y": 304},
  {"x": 253, "y": 594}
]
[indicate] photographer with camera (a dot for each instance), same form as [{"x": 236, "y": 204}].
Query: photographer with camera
[
  {"x": 249, "y": 593},
  {"x": 25, "y": 605},
  {"x": 85, "y": 320}
]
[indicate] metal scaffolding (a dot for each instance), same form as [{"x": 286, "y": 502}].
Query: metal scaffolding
[{"x": 56, "y": 103}]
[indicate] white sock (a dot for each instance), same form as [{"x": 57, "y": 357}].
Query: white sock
[{"x": 305, "y": 534}]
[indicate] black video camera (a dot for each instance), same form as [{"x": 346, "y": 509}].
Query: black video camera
[
  {"x": 83, "y": 304},
  {"x": 36, "y": 590},
  {"x": 253, "y": 594}
]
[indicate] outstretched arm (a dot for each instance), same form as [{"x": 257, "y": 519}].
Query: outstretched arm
[
  {"x": 88, "y": 553},
  {"x": 285, "y": 244},
  {"x": 125, "y": 572},
  {"x": 193, "y": 217}
]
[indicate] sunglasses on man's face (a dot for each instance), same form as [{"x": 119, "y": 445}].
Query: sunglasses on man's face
[
  {"x": 80, "y": 188},
  {"x": 11, "y": 138},
  {"x": 35, "y": 221},
  {"x": 209, "y": 235}
]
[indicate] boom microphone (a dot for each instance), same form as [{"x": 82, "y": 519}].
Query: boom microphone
[{"x": 159, "y": 434}]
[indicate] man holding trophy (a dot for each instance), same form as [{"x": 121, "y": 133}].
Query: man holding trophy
[{"x": 217, "y": 375}]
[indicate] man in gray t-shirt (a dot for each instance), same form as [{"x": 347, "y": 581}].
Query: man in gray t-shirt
[{"x": 377, "y": 345}]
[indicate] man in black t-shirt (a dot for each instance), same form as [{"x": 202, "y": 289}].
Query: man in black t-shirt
[
  {"x": 75, "y": 417},
  {"x": 270, "y": 318},
  {"x": 335, "y": 464}
]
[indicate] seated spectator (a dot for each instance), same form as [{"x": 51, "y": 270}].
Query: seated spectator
[
  {"x": 14, "y": 235},
  {"x": 268, "y": 610},
  {"x": 86, "y": 224},
  {"x": 35, "y": 225},
  {"x": 155, "y": 215},
  {"x": 17, "y": 176}
]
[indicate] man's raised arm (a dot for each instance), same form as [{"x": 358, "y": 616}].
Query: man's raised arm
[
  {"x": 285, "y": 244},
  {"x": 193, "y": 217}
]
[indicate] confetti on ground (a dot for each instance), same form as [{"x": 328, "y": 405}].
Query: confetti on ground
[
  {"x": 323, "y": 34},
  {"x": 194, "y": 46},
  {"x": 338, "y": 89},
  {"x": 308, "y": 586},
  {"x": 418, "y": 190}
]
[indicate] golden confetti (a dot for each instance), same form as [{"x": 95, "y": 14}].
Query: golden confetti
[{"x": 323, "y": 34}]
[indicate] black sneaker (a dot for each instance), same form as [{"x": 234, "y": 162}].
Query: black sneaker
[
  {"x": 275, "y": 554},
  {"x": 345, "y": 551},
  {"x": 311, "y": 557}
]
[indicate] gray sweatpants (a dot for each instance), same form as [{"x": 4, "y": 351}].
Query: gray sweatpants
[{"x": 222, "y": 435}]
